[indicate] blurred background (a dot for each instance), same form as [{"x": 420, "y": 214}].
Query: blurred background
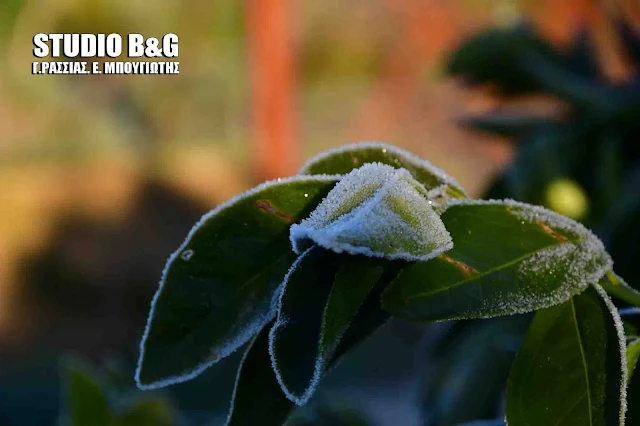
[{"x": 102, "y": 176}]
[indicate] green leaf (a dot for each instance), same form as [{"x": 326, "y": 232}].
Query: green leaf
[
  {"x": 633, "y": 391},
  {"x": 633, "y": 354},
  {"x": 493, "y": 56},
  {"x": 322, "y": 295},
  {"x": 507, "y": 258},
  {"x": 348, "y": 157},
  {"x": 557, "y": 79},
  {"x": 294, "y": 337},
  {"x": 571, "y": 368},
  {"x": 616, "y": 286},
  {"x": 377, "y": 211},
  {"x": 86, "y": 399},
  {"x": 149, "y": 411},
  {"x": 220, "y": 287},
  {"x": 257, "y": 398},
  {"x": 582, "y": 58}
]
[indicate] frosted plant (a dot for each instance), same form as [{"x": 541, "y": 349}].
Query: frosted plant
[
  {"x": 377, "y": 211},
  {"x": 304, "y": 268}
]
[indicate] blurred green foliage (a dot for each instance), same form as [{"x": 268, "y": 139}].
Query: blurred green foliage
[{"x": 90, "y": 399}]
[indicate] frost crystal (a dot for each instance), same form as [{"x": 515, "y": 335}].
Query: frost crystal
[{"x": 377, "y": 211}]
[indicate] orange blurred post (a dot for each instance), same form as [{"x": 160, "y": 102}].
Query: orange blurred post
[{"x": 270, "y": 29}]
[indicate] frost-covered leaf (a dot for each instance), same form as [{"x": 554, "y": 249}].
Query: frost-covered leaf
[
  {"x": 293, "y": 340},
  {"x": 257, "y": 398},
  {"x": 571, "y": 369},
  {"x": 322, "y": 294},
  {"x": 633, "y": 391},
  {"x": 86, "y": 401},
  {"x": 377, "y": 211},
  {"x": 348, "y": 157},
  {"x": 220, "y": 287},
  {"x": 617, "y": 287},
  {"x": 508, "y": 258}
]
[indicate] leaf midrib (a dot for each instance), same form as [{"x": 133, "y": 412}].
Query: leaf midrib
[
  {"x": 483, "y": 274},
  {"x": 584, "y": 360}
]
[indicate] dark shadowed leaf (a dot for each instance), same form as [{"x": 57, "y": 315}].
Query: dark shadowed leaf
[
  {"x": 630, "y": 40},
  {"x": 346, "y": 158},
  {"x": 352, "y": 285},
  {"x": 295, "y": 335},
  {"x": 470, "y": 368},
  {"x": 322, "y": 295},
  {"x": 557, "y": 79},
  {"x": 371, "y": 316},
  {"x": 504, "y": 123},
  {"x": 257, "y": 398},
  {"x": 507, "y": 258},
  {"x": 571, "y": 368},
  {"x": 582, "y": 58},
  {"x": 86, "y": 399},
  {"x": 494, "y": 56},
  {"x": 219, "y": 288}
]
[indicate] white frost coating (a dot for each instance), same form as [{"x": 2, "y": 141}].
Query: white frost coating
[
  {"x": 406, "y": 156},
  {"x": 281, "y": 321},
  {"x": 250, "y": 330},
  {"x": 587, "y": 262},
  {"x": 623, "y": 350},
  {"x": 534, "y": 214},
  {"x": 584, "y": 268},
  {"x": 377, "y": 211}
]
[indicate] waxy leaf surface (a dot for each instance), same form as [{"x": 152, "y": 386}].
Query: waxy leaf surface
[{"x": 508, "y": 258}]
